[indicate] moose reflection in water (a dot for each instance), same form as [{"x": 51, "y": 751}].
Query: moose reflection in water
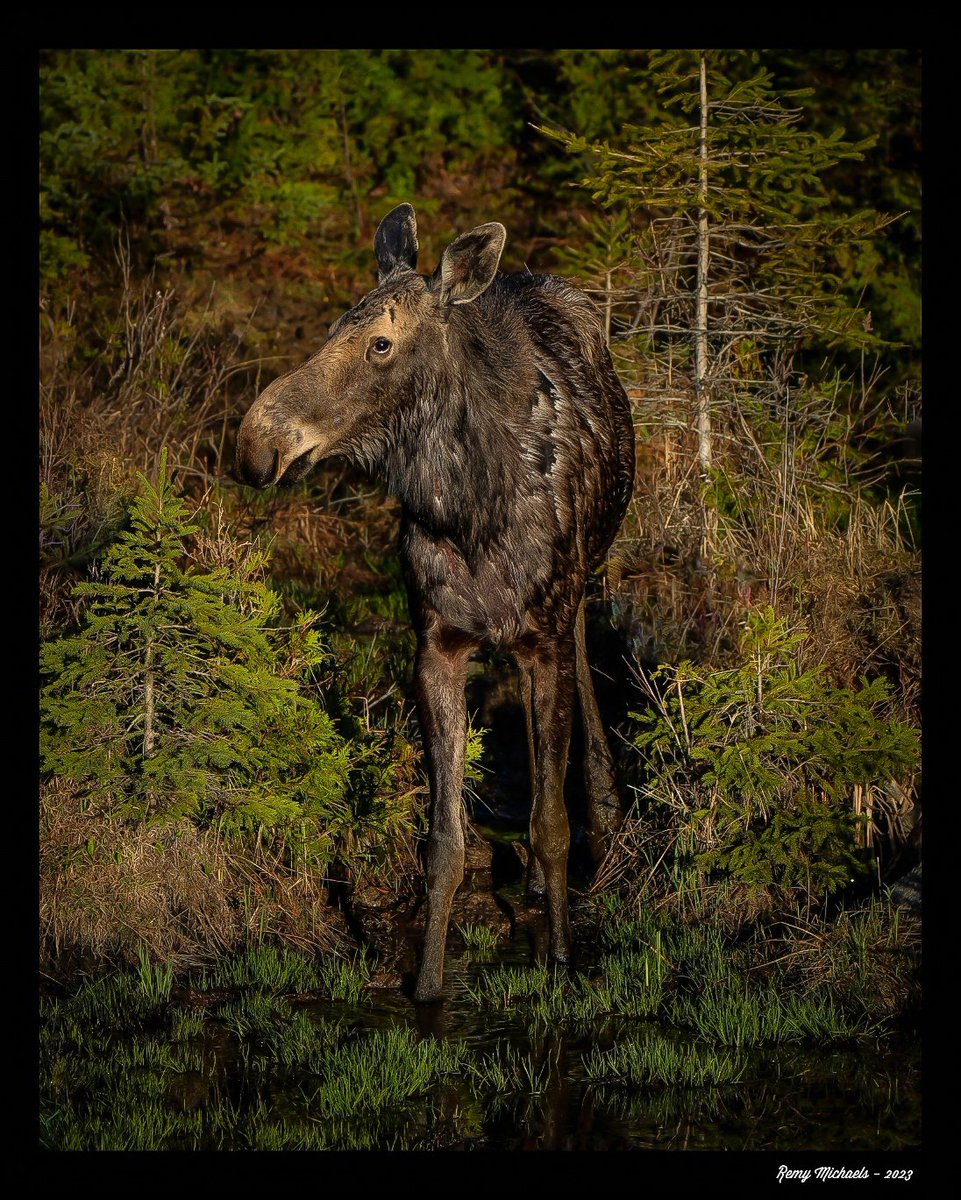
[{"x": 489, "y": 405}]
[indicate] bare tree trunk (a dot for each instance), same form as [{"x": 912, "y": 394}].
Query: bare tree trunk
[
  {"x": 703, "y": 257},
  {"x": 701, "y": 366}
]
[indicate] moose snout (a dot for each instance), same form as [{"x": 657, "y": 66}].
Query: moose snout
[{"x": 257, "y": 462}]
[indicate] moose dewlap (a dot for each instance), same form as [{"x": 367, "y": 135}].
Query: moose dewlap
[{"x": 489, "y": 405}]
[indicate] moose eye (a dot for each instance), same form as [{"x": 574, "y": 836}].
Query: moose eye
[{"x": 381, "y": 345}]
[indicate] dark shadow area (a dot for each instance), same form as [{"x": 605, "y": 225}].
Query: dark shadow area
[{"x": 499, "y": 804}]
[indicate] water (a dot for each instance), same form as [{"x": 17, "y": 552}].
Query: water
[{"x": 253, "y": 1070}]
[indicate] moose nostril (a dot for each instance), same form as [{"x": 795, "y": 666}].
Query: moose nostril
[{"x": 257, "y": 465}]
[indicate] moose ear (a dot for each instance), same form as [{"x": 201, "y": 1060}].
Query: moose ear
[
  {"x": 395, "y": 242},
  {"x": 469, "y": 264}
]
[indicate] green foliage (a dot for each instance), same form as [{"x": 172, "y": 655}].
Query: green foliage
[
  {"x": 776, "y": 235},
  {"x": 878, "y": 92},
  {"x": 122, "y": 1071},
  {"x": 184, "y": 696},
  {"x": 755, "y": 765},
  {"x": 510, "y": 1073},
  {"x": 294, "y": 140},
  {"x": 381, "y": 1070},
  {"x": 474, "y": 752}
]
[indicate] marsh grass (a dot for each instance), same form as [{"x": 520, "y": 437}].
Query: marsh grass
[
  {"x": 539, "y": 993},
  {"x": 627, "y": 983},
  {"x": 701, "y": 954},
  {"x": 122, "y": 1069},
  {"x": 668, "y": 1009},
  {"x": 480, "y": 940},
  {"x": 286, "y": 971},
  {"x": 271, "y": 1034},
  {"x": 632, "y": 981},
  {"x": 742, "y": 1015},
  {"x": 695, "y": 976},
  {"x": 381, "y": 1070},
  {"x": 187, "y": 1025},
  {"x": 114, "y": 1004},
  {"x": 156, "y": 980},
  {"x": 346, "y": 979},
  {"x": 253, "y": 1015},
  {"x": 116, "y": 1091},
  {"x": 514, "y": 1082},
  {"x": 262, "y": 1131},
  {"x": 654, "y": 1059},
  {"x": 262, "y": 966},
  {"x": 868, "y": 956}
]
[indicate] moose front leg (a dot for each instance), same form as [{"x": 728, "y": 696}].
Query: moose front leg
[
  {"x": 551, "y": 710},
  {"x": 440, "y": 676}
]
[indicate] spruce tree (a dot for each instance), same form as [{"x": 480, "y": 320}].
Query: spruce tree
[
  {"x": 182, "y": 695},
  {"x": 735, "y": 244}
]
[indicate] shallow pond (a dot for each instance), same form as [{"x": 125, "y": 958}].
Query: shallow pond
[{"x": 266, "y": 1066}]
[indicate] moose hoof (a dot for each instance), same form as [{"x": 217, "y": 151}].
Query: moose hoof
[
  {"x": 428, "y": 992},
  {"x": 561, "y": 961}
]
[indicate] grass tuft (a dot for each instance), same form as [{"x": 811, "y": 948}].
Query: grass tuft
[{"x": 655, "y": 1059}]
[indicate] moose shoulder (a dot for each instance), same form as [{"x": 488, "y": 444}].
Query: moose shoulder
[{"x": 489, "y": 405}]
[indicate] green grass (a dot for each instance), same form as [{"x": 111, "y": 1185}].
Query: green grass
[
  {"x": 255, "y": 1015},
  {"x": 262, "y": 966},
  {"x": 654, "y": 1059},
  {"x": 345, "y": 980},
  {"x": 538, "y": 993},
  {"x": 262, "y": 1131},
  {"x": 269, "y": 1032},
  {"x": 742, "y": 1015},
  {"x": 509, "y": 1071},
  {"x": 690, "y": 976},
  {"x": 632, "y": 981},
  {"x": 627, "y": 983},
  {"x": 187, "y": 1025},
  {"x": 286, "y": 971},
  {"x": 671, "y": 1110},
  {"x": 480, "y": 940},
  {"x": 381, "y": 1070},
  {"x": 156, "y": 980},
  {"x": 114, "y": 1002},
  {"x": 678, "y": 1006},
  {"x": 157, "y": 1079}
]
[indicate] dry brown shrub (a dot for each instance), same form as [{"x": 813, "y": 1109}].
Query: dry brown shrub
[
  {"x": 869, "y": 955},
  {"x": 682, "y": 578},
  {"x": 110, "y": 887},
  {"x": 117, "y": 385},
  {"x": 862, "y": 590}
]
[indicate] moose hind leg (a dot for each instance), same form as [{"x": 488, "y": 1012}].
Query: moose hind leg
[
  {"x": 604, "y": 807},
  {"x": 440, "y": 676},
  {"x": 552, "y": 675},
  {"x": 536, "y": 887}
]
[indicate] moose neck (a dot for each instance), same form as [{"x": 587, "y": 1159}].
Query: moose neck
[{"x": 449, "y": 453}]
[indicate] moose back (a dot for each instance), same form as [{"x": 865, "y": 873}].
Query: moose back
[{"x": 488, "y": 404}]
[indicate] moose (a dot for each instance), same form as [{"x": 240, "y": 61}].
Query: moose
[{"x": 488, "y": 404}]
